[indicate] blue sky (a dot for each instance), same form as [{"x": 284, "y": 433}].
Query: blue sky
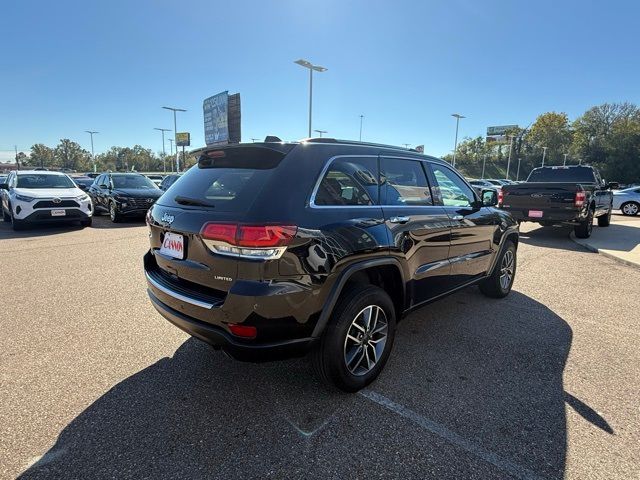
[{"x": 405, "y": 65}]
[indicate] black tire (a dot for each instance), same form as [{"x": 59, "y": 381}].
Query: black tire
[
  {"x": 605, "y": 220},
  {"x": 113, "y": 213},
  {"x": 584, "y": 229},
  {"x": 86, "y": 222},
  {"x": 630, "y": 208},
  {"x": 329, "y": 356},
  {"x": 499, "y": 283},
  {"x": 17, "y": 224},
  {"x": 5, "y": 216}
]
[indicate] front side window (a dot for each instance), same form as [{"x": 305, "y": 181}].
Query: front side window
[
  {"x": 349, "y": 181},
  {"x": 403, "y": 182},
  {"x": 453, "y": 190},
  {"x": 132, "y": 181}
]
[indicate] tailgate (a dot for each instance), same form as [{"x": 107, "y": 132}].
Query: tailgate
[{"x": 540, "y": 196}]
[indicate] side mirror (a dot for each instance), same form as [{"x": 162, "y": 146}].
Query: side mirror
[
  {"x": 4, "y": 186},
  {"x": 103, "y": 186},
  {"x": 489, "y": 197},
  {"x": 613, "y": 185}
]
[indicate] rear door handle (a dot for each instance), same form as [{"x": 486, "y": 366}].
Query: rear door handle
[
  {"x": 457, "y": 217},
  {"x": 399, "y": 219}
]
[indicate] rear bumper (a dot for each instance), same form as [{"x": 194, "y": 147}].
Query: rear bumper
[
  {"x": 220, "y": 338},
  {"x": 564, "y": 217},
  {"x": 206, "y": 314}
]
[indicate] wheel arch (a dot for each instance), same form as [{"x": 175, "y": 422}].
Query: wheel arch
[{"x": 385, "y": 273}]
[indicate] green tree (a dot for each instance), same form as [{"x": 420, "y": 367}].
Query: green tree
[
  {"x": 41, "y": 156},
  {"x": 71, "y": 155},
  {"x": 550, "y": 130}
]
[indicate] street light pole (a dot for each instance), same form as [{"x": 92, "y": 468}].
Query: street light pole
[
  {"x": 175, "y": 132},
  {"x": 171, "y": 150},
  {"x": 484, "y": 161},
  {"x": 544, "y": 154},
  {"x": 406, "y": 145},
  {"x": 93, "y": 157},
  {"x": 361, "y": 117},
  {"x": 320, "y": 132},
  {"x": 509, "y": 159},
  {"x": 518, "y": 172},
  {"x": 565, "y": 160},
  {"x": 311, "y": 67},
  {"x": 164, "y": 154},
  {"x": 455, "y": 145}
]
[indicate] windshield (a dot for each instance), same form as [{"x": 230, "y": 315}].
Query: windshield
[
  {"x": 562, "y": 175},
  {"x": 132, "y": 181},
  {"x": 40, "y": 180}
]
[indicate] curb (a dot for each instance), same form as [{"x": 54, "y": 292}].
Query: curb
[{"x": 593, "y": 249}]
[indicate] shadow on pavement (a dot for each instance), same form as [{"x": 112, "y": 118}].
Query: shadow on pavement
[
  {"x": 46, "y": 229},
  {"x": 549, "y": 237},
  {"x": 489, "y": 371}
]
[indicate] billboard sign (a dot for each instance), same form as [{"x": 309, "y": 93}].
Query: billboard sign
[
  {"x": 498, "y": 133},
  {"x": 183, "y": 139},
  {"x": 216, "y": 118}
]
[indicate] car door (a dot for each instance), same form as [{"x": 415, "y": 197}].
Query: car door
[
  {"x": 602, "y": 194},
  {"x": 418, "y": 230},
  {"x": 473, "y": 226}
]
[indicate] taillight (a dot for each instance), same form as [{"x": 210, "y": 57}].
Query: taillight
[
  {"x": 265, "y": 242},
  {"x": 500, "y": 197},
  {"x": 580, "y": 199}
]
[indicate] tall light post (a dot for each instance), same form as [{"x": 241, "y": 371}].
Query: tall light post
[
  {"x": 171, "y": 150},
  {"x": 484, "y": 162},
  {"x": 254, "y": 140},
  {"x": 93, "y": 157},
  {"x": 320, "y": 132},
  {"x": 406, "y": 145},
  {"x": 164, "y": 154},
  {"x": 175, "y": 132},
  {"x": 565, "y": 159},
  {"x": 544, "y": 154},
  {"x": 455, "y": 145},
  {"x": 360, "y": 138},
  {"x": 509, "y": 159},
  {"x": 518, "y": 172},
  {"x": 311, "y": 67}
]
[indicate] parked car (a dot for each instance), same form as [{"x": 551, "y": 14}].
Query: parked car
[
  {"x": 83, "y": 183},
  {"x": 479, "y": 185},
  {"x": 31, "y": 197},
  {"x": 627, "y": 200},
  {"x": 123, "y": 194},
  {"x": 269, "y": 250},
  {"x": 91, "y": 174},
  {"x": 571, "y": 195},
  {"x": 157, "y": 179},
  {"x": 497, "y": 183},
  {"x": 3, "y": 178},
  {"x": 169, "y": 180}
]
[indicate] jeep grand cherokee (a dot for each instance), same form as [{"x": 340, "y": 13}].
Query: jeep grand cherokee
[{"x": 274, "y": 249}]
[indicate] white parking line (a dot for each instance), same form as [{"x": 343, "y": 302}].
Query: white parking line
[{"x": 443, "y": 432}]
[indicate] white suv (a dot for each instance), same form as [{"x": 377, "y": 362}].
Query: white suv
[{"x": 30, "y": 197}]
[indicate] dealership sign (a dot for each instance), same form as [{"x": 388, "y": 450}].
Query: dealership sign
[
  {"x": 221, "y": 118},
  {"x": 498, "y": 133},
  {"x": 183, "y": 139}
]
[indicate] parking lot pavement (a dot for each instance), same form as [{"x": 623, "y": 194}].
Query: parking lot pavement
[
  {"x": 621, "y": 241},
  {"x": 95, "y": 384}
]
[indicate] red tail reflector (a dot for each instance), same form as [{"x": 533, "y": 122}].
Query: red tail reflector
[
  {"x": 500, "y": 197},
  {"x": 244, "y": 331},
  {"x": 580, "y": 199}
]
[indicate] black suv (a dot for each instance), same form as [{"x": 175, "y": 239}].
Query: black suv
[
  {"x": 123, "y": 194},
  {"x": 273, "y": 249}
]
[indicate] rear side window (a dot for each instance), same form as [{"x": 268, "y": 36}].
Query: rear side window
[
  {"x": 404, "y": 183},
  {"x": 349, "y": 181},
  {"x": 227, "y": 180},
  {"x": 453, "y": 190}
]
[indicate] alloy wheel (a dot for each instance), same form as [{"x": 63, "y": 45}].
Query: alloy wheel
[
  {"x": 506, "y": 269},
  {"x": 365, "y": 340},
  {"x": 112, "y": 211},
  {"x": 630, "y": 209}
]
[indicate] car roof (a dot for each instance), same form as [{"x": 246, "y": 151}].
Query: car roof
[
  {"x": 318, "y": 142},
  {"x": 38, "y": 172}
]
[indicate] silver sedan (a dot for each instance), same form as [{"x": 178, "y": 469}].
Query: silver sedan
[{"x": 627, "y": 200}]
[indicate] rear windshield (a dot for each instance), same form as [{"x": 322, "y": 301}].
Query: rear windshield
[
  {"x": 228, "y": 180},
  {"x": 41, "y": 180},
  {"x": 560, "y": 174}
]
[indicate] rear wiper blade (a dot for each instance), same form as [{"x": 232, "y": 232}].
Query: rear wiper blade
[{"x": 192, "y": 201}]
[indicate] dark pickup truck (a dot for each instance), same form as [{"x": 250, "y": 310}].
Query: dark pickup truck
[{"x": 571, "y": 195}]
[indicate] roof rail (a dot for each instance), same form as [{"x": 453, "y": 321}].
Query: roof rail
[{"x": 356, "y": 142}]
